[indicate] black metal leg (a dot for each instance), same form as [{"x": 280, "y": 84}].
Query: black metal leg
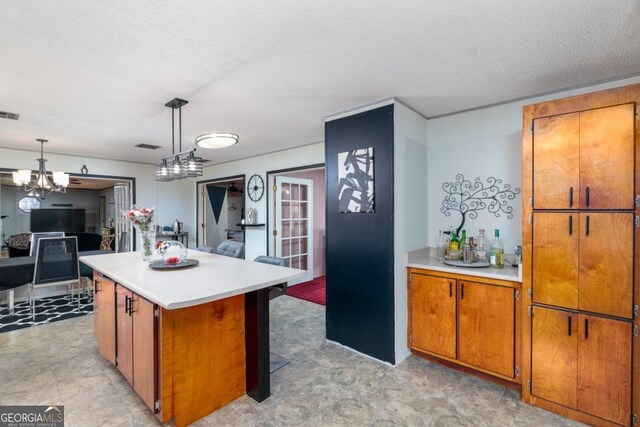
[{"x": 256, "y": 306}]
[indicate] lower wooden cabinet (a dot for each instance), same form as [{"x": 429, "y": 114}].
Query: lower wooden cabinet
[
  {"x": 433, "y": 314},
  {"x": 136, "y": 343},
  {"x": 486, "y": 327},
  {"x": 582, "y": 362},
  {"x": 183, "y": 363},
  {"x": 104, "y": 316},
  {"x": 469, "y": 322}
]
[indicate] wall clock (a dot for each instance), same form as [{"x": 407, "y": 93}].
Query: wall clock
[{"x": 255, "y": 187}]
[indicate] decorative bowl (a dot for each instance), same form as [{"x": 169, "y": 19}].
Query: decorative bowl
[{"x": 172, "y": 252}]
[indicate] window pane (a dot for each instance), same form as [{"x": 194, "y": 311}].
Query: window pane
[
  {"x": 303, "y": 192},
  {"x": 286, "y": 191},
  {"x": 303, "y": 262},
  {"x": 286, "y": 250},
  {"x": 295, "y": 192}
]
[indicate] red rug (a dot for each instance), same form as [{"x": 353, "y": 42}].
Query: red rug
[{"x": 313, "y": 290}]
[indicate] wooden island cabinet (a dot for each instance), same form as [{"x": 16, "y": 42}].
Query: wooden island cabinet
[
  {"x": 581, "y": 215},
  {"x": 468, "y": 320},
  {"x": 189, "y": 341}
]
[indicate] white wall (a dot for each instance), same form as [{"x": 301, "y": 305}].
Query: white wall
[
  {"x": 482, "y": 143},
  {"x": 256, "y": 238},
  {"x": 410, "y": 207},
  {"x": 174, "y": 200}
]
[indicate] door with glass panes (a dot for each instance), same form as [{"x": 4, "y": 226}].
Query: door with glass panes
[{"x": 294, "y": 224}]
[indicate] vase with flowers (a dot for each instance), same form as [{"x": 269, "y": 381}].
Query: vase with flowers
[{"x": 142, "y": 220}]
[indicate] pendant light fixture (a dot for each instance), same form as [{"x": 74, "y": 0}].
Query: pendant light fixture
[
  {"x": 45, "y": 183},
  {"x": 184, "y": 164}
]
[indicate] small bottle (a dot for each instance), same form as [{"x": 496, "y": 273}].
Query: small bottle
[
  {"x": 463, "y": 238},
  {"x": 442, "y": 245},
  {"x": 496, "y": 255},
  {"x": 481, "y": 246},
  {"x": 454, "y": 243}
]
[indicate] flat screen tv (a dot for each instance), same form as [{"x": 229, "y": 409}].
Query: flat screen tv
[{"x": 67, "y": 220}]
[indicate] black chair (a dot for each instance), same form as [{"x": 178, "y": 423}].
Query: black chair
[
  {"x": 56, "y": 264},
  {"x": 87, "y": 241}
]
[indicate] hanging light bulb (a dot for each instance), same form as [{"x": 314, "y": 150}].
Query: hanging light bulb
[
  {"x": 162, "y": 171},
  {"x": 192, "y": 165}
]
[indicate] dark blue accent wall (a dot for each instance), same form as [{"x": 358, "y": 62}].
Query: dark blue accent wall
[{"x": 359, "y": 246}]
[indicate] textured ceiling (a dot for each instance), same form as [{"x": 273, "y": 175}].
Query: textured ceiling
[{"x": 93, "y": 76}]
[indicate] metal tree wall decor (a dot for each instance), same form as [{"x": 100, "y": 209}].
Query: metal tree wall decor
[{"x": 468, "y": 197}]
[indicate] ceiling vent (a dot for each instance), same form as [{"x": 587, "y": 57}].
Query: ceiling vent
[
  {"x": 147, "y": 146},
  {"x": 10, "y": 116}
]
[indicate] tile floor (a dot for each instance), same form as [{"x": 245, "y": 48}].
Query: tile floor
[{"x": 324, "y": 385}]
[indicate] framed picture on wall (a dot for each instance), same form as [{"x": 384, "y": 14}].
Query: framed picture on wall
[{"x": 355, "y": 181}]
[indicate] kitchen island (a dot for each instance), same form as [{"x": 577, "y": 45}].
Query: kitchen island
[{"x": 191, "y": 340}]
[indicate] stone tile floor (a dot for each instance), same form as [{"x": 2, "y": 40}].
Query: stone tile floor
[{"x": 324, "y": 385}]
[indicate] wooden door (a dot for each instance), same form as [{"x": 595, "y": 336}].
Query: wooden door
[
  {"x": 486, "y": 327},
  {"x": 144, "y": 349},
  {"x": 607, "y": 157},
  {"x": 433, "y": 314},
  {"x": 606, "y": 263},
  {"x": 554, "y": 355},
  {"x": 556, "y": 162},
  {"x": 124, "y": 333},
  {"x": 104, "y": 316},
  {"x": 604, "y": 368},
  {"x": 555, "y": 258}
]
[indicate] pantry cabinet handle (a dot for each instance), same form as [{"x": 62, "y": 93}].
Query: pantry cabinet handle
[
  {"x": 570, "y": 225},
  {"x": 569, "y": 325},
  {"x": 450, "y": 289},
  {"x": 587, "y": 197},
  {"x": 126, "y": 304},
  {"x": 570, "y": 197},
  {"x": 131, "y": 311},
  {"x": 587, "y": 225},
  {"x": 95, "y": 286},
  {"x": 461, "y": 290},
  {"x": 586, "y": 329}
]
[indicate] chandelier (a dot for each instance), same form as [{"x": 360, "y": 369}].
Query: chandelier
[
  {"x": 183, "y": 164},
  {"x": 45, "y": 183}
]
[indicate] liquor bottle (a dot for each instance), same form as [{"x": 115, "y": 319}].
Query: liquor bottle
[
  {"x": 442, "y": 245},
  {"x": 481, "y": 246},
  {"x": 454, "y": 243},
  {"x": 496, "y": 255},
  {"x": 463, "y": 238}
]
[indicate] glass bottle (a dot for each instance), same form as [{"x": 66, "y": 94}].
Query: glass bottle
[
  {"x": 463, "y": 238},
  {"x": 481, "y": 246},
  {"x": 496, "y": 255},
  {"x": 442, "y": 245},
  {"x": 454, "y": 243}
]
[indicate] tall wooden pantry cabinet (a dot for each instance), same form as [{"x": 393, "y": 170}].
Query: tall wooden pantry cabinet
[{"x": 581, "y": 257}]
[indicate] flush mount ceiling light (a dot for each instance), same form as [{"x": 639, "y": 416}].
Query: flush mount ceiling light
[
  {"x": 183, "y": 164},
  {"x": 217, "y": 140},
  {"x": 45, "y": 183}
]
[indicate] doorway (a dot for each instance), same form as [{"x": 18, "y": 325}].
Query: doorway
[
  {"x": 296, "y": 226},
  {"x": 220, "y": 211}
]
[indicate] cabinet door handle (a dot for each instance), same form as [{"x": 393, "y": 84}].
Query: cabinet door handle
[
  {"x": 587, "y": 196},
  {"x": 570, "y": 225},
  {"x": 569, "y": 325},
  {"x": 131, "y": 310},
  {"x": 587, "y": 231},
  {"x": 461, "y": 290},
  {"x": 586, "y": 329},
  {"x": 126, "y": 304},
  {"x": 95, "y": 286},
  {"x": 570, "y": 197},
  {"x": 450, "y": 289}
]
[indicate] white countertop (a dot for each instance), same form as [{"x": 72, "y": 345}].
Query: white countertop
[
  {"x": 506, "y": 273},
  {"x": 216, "y": 277}
]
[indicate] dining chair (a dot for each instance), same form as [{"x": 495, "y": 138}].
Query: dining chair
[
  {"x": 56, "y": 264},
  {"x": 231, "y": 249},
  {"x": 37, "y": 236}
]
